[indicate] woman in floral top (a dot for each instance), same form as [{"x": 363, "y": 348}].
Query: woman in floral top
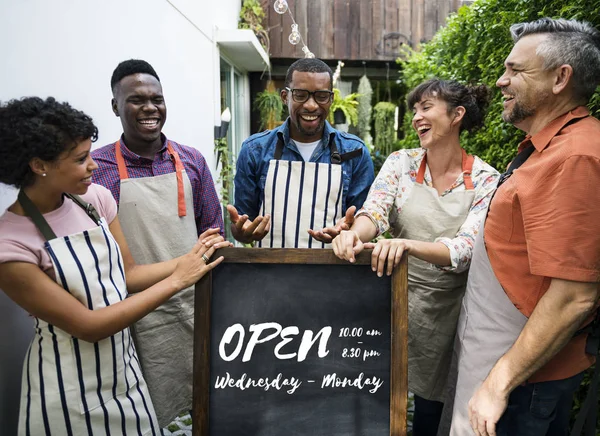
[{"x": 432, "y": 199}]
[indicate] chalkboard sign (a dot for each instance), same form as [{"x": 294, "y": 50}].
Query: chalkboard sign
[{"x": 296, "y": 342}]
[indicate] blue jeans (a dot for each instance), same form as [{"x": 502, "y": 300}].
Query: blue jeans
[
  {"x": 539, "y": 409},
  {"x": 426, "y": 417}
]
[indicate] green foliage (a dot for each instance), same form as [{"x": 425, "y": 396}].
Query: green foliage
[
  {"x": 385, "y": 135},
  {"x": 348, "y": 105},
  {"x": 226, "y": 174},
  {"x": 251, "y": 17},
  {"x": 472, "y": 48},
  {"x": 269, "y": 105},
  {"x": 365, "y": 96}
]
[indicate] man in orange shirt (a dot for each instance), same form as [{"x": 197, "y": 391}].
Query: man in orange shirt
[{"x": 535, "y": 270}]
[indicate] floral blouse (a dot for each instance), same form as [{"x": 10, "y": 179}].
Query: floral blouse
[{"x": 393, "y": 186}]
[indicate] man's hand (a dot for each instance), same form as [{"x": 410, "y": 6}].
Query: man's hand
[
  {"x": 485, "y": 408},
  {"x": 347, "y": 245},
  {"x": 247, "y": 231},
  {"x": 327, "y": 234}
]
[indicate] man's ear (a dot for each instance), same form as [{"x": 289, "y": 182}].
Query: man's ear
[
  {"x": 459, "y": 113},
  {"x": 113, "y": 104},
  {"x": 284, "y": 96},
  {"x": 563, "y": 76}
]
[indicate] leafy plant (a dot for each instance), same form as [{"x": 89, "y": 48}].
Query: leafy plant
[
  {"x": 385, "y": 135},
  {"x": 365, "y": 109},
  {"x": 348, "y": 105},
  {"x": 251, "y": 17},
  {"x": 270, "y": 107}
]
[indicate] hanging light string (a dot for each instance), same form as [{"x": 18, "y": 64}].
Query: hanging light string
[{"x": 281, "y": 7}]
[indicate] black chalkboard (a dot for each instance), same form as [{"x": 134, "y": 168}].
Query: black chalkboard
[{"x": 296, "y": 342}]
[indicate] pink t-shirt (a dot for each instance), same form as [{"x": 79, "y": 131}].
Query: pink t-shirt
[{"x": 21, "y": 241}]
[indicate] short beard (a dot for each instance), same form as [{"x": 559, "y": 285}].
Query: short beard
[
  {"x": 518, "y": 114},
  {"x": 315, "y": 132}
]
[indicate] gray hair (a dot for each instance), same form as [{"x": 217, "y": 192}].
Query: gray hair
[{"x": 576, "y": 43}]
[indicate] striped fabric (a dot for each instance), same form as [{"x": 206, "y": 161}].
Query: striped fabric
[
  {"x": 301, "y": 196},
  {"x": 73, "y": 387}
]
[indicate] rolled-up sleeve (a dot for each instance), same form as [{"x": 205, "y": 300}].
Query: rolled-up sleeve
[{"x": 461, "y": 246}]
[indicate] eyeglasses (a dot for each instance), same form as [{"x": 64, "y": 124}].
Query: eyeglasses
[{"x": 302, "y": 95}]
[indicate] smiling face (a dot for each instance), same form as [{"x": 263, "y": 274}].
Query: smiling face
[
  {"x": 72, "y": 172},
  {"x": 139, "y": 102},
  {"x": 526, "y": 86},
  {"x": 433, "y": 123},
  {"x": 308, "y": 118}
]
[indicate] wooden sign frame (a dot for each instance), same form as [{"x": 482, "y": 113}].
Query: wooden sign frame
[{"x": 398, "y": 327}]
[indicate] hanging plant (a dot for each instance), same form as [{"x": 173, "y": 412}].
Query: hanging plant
[
  {"x": 270, "y": 107},
  {"x": 251, "y": 17},
  {"x": 347, "y": 105},
  {"x": 385, "y": 135},
  {"x": 365, "y": 96}
]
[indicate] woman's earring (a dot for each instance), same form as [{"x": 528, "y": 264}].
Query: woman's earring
[{"x": 43, "y": 174}]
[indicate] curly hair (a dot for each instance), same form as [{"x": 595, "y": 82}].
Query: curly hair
[
  {"x": 129, "y": 67},
  {"x": 32, "y": 127},
  {"x": 308, "y": 65},
  {"x": 474, "y": 99}
]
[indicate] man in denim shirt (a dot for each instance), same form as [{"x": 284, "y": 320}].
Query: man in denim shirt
[{"x": 303, "y": 175}]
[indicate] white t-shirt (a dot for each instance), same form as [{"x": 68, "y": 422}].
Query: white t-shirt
[{"x": 306, "y": 148}]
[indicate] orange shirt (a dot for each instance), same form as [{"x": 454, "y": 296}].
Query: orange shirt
[{"x": 544, "y": 223}]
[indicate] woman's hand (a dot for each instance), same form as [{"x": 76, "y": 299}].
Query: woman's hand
[
  {"x": 347, "y": 245},
  {"x": 389, "y": 250},
  {"x": 194, "y": 265}
]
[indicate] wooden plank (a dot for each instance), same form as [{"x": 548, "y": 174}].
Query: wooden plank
[
  {"x": 201, "y": 363},
  {"x": 275, "y": 31},
  {"x": 399, "y": 376},
  {"x": 353, "y": 27},
  {"x": 340, "y": 29},
  {"x": 378, "y": 28},
  {"x": 315, "y": 27},
  {"x": 288, "y": 255},
  {"x": 327, "y": 30},
  {"x": 301, "y": 17},
  {"x": 405, "y": 18},
  {"x": 366, "y": 49},
  {"x": 417, "y": 20},
  {"x": 287, "y": 49},
  {"x": 430, "y": 18}
]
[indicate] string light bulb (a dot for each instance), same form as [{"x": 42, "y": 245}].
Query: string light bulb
[
  {"x": 294, "y": 37},
  {"x": 280, "y": 6},
  {"x": 307, "y": 52}
]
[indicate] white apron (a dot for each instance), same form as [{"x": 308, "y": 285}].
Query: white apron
[
  {"x": 157, "y": 217},
  {"x": 433, "y": 295},
  {"x": 488, "y": 326},
  {"x": 302, "y": 195},
  {"x": 73, "y": 387}
]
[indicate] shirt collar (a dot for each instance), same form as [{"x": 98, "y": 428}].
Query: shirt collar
[
  {"x": 127, "y": 153},
  {"x": 328, "y": 133},
  {"x": 541, "y": 139}
]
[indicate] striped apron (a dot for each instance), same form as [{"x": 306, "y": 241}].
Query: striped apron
[
  {"x": 302, "y": 195},
  {"x": 73, "y": 387}
]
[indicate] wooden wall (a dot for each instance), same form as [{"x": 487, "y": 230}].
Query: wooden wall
[{"x": 355, "y": 29}]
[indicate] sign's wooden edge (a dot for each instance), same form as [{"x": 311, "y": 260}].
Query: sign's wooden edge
[
  {"x": 398, "y": 320},
  {"x": 323, "y": 256}
]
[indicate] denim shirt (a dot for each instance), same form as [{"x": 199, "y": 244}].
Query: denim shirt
[{"x": 253, "y": 164}]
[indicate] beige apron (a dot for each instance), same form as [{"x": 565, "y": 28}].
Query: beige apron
[
  {"x": 488, "y": 326},
  {"x": 157, "y": 217},
  {"x": 434, "y": 296},
  {"x": 301, "y": 196}
]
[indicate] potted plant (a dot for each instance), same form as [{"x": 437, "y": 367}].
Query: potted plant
[
  {"x": 269, "y": 105},
  {"x": 346, "y": 106}
]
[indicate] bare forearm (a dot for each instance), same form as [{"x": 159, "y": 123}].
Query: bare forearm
[
  {"x": 140, "y": 277},
  {"x": 432, "y": 252},
  {"x": 105, "y": 322},
  {"x": 364, "y": 228},
  {"x": 558, "y": 315}
]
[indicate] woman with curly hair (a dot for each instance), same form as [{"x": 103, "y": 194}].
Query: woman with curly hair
[
  {"x": 432, "y": 199},
  {"x": 64, "y": 259}
]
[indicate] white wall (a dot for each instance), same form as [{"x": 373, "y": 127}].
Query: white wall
[{"x": 69, "y": 48}]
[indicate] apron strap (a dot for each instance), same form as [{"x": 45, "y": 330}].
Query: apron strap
[
  {"x": 40, "y": 222},
  {"x": 123, "y": 175},
  {"x": 35, "y": 215},
  {"x": 467, "y": 168}
]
